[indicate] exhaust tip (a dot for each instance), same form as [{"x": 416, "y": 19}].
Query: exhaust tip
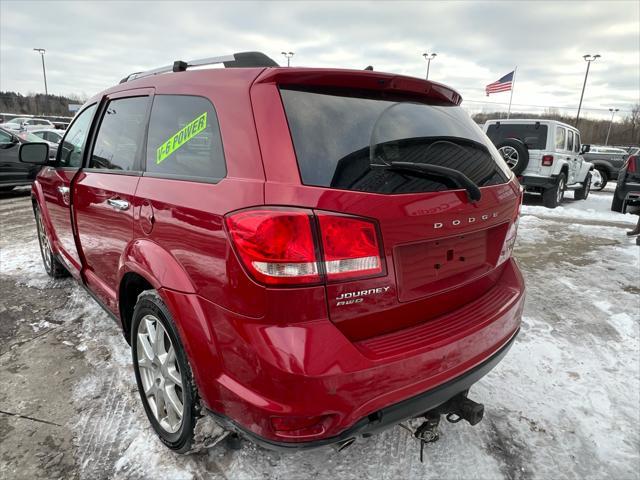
[{"x": 340, "y": 446}]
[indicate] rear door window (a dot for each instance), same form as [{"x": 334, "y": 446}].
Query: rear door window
[
  {"x": 119, "y": 140},
  {"x": 561, "y": 134},
  {"x": 348, "y": 141},
  {"x": 184, "y": 139},
  {"x": 533, "y": 135}
]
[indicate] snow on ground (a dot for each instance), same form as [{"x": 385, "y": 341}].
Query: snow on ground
[{"x": 563, "y": 404}]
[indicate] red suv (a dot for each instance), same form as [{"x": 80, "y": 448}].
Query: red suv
[{"x": 307, "y": 255}]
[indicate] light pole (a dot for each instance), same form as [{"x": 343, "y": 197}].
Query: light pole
[
  {"x": 613, "y": 112},
  {"x": 428, "y": 57},
  {"x": 588, "y": 59},
  {"x": 288, "y": 56},
  {"x": 41, "y": 51}
]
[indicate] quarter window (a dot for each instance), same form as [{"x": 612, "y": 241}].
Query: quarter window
[
  {"x": 73, "y": 144},
  {"x": 560, "y": 138},
  {"x": 184, "y": 139},
  {"x": 120, "y": 135}
]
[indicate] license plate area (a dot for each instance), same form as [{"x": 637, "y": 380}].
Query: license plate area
[{"x": 429, "y": 267}]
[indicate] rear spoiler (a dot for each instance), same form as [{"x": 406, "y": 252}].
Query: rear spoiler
[{"x": 361, "y": 80}]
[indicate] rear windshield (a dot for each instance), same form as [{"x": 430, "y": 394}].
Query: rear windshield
[
  {"x": 349, "y": 141},
  {"x": 532, "y": 135}
]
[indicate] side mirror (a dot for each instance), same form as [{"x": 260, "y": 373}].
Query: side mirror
[
  {"x": 585, "y": 149},
  {"x": 35, "y": 153}
]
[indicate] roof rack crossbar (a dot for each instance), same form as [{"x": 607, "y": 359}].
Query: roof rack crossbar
[{"x": 243, "y": 59}]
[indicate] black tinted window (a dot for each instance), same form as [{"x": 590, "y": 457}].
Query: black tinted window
[
  {"x": 72, "y": 147},
  {"x": 184, "y": 138},
  {"x": 120, "y": 134},
  {"x": 533, "y": 135},
  {"x": 347, "y": 142}
]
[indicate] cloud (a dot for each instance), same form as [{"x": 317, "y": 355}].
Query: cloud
[{"x": 91, "y": 45}]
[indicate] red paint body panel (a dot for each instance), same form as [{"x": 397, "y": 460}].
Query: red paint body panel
[{"x": 259, "y": 351}]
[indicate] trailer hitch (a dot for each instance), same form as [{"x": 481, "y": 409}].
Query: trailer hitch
[{"x": 455, "y": 409}]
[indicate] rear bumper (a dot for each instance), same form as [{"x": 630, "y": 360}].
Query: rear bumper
[
  {"x": 248, "y": 370},
  {"x": 389, "y": 416},
  {"x": 542, "y": 183}
]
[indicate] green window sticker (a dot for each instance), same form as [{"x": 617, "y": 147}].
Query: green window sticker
[{"x": 189, "y": 131}]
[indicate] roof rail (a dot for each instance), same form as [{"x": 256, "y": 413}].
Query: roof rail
[{"x": 236, "y": 60}]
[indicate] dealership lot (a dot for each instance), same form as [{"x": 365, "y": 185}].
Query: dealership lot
[{"x": 563, "y": 404}]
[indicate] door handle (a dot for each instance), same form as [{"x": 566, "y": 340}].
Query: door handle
[{"x": 118, "y": 204}]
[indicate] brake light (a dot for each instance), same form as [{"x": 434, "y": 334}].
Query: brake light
[
  {"x": 509, "y": 243},
  {"x": 350, "y": 247},
  {"x": 276, "y": 246},
  {"x": 547, "y": 160},
  {"x": 632, "y": 164}
]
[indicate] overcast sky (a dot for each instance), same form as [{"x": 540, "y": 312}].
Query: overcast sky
[{"x": 92, "y": 45}]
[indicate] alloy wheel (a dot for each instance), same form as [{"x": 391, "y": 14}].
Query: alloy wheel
[
  {"x": 45, "y": 246},
  {"x": 510, "y": 156},
  {"x": 560, "y": 192},
  {"x": 160, "y": 373}
]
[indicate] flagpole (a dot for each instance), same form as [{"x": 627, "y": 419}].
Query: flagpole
[{"x": 513, "y": 86}]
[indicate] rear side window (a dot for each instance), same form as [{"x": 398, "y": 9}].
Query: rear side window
[
  {"x": 184, "y": 139},
  {"x": 120, "y": 134},
  {"x": 72, "y": 147},
  {"x": 348, "y": 142},
  {"x": 560, "y": 136},
  {"x": 533, "y": 135}
]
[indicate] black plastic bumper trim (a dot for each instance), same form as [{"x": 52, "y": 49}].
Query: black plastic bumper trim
[{"x": 386, "y": 417}]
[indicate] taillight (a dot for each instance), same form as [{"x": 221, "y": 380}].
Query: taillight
[
  {"x": 632, "y": 164},
  {"x": 278, "y": 247},
  {"x": 509, "y": 243},
  {"x": 547, "y": 160},
  {"x": 350, "y": 247}
]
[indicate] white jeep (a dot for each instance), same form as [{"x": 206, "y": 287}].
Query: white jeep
[{"x": 545, "y": 155}]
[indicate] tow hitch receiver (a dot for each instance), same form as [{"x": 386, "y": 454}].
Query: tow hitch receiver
[{"x": 456, "y": 409}]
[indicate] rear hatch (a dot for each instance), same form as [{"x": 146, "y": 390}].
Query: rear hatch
[{"x": 376, "y": 155}]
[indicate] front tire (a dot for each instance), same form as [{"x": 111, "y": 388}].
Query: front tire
[
  {"x": 605, "y": 179},
  {"x": 583, "y": 192},
  {"x": 163, "y": 374},
  {"x": 552, "y": 197},
  {"x": 52, "y": 265}
]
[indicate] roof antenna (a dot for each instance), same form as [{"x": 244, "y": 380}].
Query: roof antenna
[{"x": 370, "y": 67}]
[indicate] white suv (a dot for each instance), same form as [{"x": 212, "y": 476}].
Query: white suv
[{"x": 545, "y": 155}]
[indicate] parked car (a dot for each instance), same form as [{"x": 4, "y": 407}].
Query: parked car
[
  {"x": 27, "y": 123},
  {"x": 627, "y": 193},
  {"x": 31, "y": 137},
  {"x": 48, "y": 134},
  {"x": 14, "y": 173},
  {"x": 545, "y": 155},
  {"x": 333, "y": 259},
  {"x": 607, "y": 160}
]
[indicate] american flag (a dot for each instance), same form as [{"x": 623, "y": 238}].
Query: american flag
[{"x": 502, "y": 85}]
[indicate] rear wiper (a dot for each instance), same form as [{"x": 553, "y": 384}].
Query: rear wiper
[{"x": 428, "y": 170}]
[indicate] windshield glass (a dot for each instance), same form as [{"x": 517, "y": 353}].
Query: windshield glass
[{"x": 345, "y": 141}]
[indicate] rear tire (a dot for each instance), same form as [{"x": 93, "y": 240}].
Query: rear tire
[
  {"x": 52, "y": 265},
  {"x": 552, "y": 197},
  {"x": 605, "y": 179},
  {"x": 515, "y": 153},
  {"x": 162, "y": 370},
  {"x": 583, "y": 192}
]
